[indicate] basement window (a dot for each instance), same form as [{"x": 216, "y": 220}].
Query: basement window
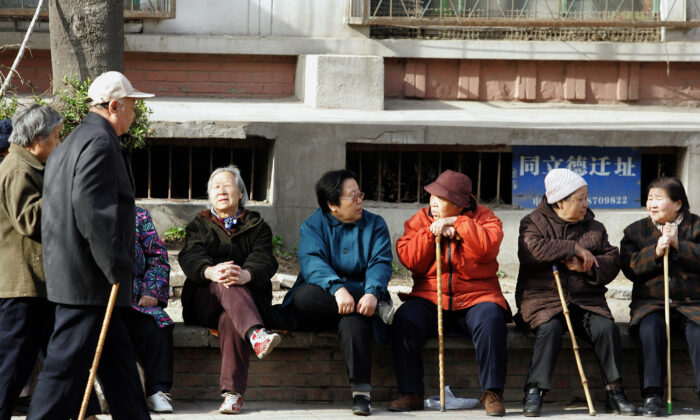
[{"x": 178, "y": 169}]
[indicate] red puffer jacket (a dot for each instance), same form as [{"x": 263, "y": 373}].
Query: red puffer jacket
[{"x": 468, "y": 264}]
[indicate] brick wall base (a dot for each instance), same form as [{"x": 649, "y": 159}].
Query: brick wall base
[{"x": 312, "y": 369}]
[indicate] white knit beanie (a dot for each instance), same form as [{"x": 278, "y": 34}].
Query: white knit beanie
[{"x": 561, "y": 183}]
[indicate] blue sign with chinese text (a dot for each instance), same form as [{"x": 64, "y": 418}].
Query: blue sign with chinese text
[{"x": 613, "y": 174}]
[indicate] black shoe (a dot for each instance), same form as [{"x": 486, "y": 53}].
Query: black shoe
[
  {"x": 532, "y": 403},
  {"x": 617, "y": 402},
  {"x": 652, "y": 406},
  {"x": 361, "y": 405}
]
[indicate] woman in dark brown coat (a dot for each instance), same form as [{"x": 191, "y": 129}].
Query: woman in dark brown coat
[
  {"x": 670, "y": 226},
  {"x": 228, "y": 261},
  {"x": 562, "y": 231}
]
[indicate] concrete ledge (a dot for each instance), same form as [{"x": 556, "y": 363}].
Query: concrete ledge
[{"x": 187, "y": 336}]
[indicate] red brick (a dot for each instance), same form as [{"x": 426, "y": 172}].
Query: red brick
[
  {"x": 268, "y": 380},
  {"x": 192, "y": 380}
]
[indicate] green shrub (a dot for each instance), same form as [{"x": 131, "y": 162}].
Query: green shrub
[
  {"x": 175, "y": 233},
  {"x": 70, "y": 102}
]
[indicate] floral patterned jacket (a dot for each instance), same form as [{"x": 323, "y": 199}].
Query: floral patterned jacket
[{"x": 152, "y": 276}]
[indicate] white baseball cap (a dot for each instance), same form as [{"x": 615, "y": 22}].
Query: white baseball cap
[{"x": 112, "y": 85}]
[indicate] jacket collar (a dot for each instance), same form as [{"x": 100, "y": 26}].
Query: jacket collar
[
  {"x": 24, "y": 154},
  {"x": 335, "y": 222},
  {"x": 94, "y": 118},
  {"x": 548, "y": 212}
]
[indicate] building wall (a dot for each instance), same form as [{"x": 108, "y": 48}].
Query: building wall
[
  {"x": 182, "y": 75},
  {"x": 544, "y": 81}
]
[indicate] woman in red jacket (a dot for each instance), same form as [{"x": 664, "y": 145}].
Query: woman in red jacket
[{"x": 472, "y": 297}]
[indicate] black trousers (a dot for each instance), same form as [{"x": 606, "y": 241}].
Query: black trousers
[
  {"x": 154, "y": 348},
  {"x": 416, "y": 321},
  {"x": 71, "y": 349},
  {"x": 316, "y": 310},
  {"x": 598, "y": 330},
  {"x": 25, "y": 328},
  {"x": 651, "y": 348}
]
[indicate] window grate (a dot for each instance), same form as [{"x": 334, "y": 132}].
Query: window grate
[
  {"x": 398, "y": 174},
  {"x": 175, "y": 170}
]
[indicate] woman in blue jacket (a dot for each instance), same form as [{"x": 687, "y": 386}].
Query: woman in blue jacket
[{"x": 345, "y": 261}]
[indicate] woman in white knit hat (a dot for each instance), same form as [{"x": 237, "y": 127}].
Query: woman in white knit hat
[{"x": 562, "y": 231}]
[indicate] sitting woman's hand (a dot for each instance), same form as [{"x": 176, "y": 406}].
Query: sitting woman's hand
[
  {"x": 367, "y": 305},
  {"x": 148, "y": 301},
  {"x": 443, "y": 226},
  {"x": 228, "y": 274},
  {"x": 575, "y": 265},
  {"x": 587, "y": 258},
  {"x": 345, "y": 301}
]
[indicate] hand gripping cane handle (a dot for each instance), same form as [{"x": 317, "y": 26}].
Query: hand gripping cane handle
[{"x": 98, "y": 351}]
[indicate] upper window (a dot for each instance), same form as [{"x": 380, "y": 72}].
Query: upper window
[
  {"x": 133, "y": 9},
  {"x": 554, "y": 20}
]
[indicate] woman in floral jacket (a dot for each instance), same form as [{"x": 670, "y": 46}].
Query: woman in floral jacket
[{"x": 150, "y": 327}]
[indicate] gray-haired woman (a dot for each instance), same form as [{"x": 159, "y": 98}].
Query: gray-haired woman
[
  {"x": 228, "y": 261},
  {"x": 27, "y": 317}
]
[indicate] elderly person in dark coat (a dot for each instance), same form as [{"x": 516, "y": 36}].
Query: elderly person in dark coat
[
  {"x": 228, "y": 261},
  {"x": 562, "y": 231},
  {"x": 5, "y": 131},
  {"x": 87, "y": 229},
  {"x": 27, "y": 317},
  {"x": 670, "y": 227}
]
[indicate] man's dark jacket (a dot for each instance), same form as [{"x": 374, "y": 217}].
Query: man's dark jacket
[
  {"x": 545, "y": 240},
  {"x": 87, "y": 225}
]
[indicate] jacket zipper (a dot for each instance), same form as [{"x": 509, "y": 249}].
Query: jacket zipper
[{"x": 449, "y": 268}]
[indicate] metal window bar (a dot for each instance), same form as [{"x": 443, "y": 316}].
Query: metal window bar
[
  {"x": 156, "y": 187},
  {"x": 519, "y": 13},
  {"x": 488, "y": 176}
]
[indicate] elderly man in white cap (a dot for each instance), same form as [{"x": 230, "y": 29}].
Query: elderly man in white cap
[
  {"x": 87, "y": 231},
  {"x": 562, "y": 231}
]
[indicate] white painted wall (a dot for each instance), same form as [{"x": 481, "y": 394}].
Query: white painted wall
[{"x": 256, "y": 18}]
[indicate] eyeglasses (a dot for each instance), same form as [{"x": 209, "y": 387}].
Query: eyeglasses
[{"x": 354, "y": 196}]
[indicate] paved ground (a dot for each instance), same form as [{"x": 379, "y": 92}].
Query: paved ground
[{"x": 276, "y": 410}]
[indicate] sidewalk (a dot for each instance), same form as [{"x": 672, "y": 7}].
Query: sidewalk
[{"x": 275, "y": 410}]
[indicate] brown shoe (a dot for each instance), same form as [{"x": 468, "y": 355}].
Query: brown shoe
[
  {"x": 407, "y": 402},
  {"x": 493, "y": 402}
]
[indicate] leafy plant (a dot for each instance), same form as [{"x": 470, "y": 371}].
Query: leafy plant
[
  {"x": 398, "y": 269},
  {"x": 8, "y": 106},
  {"x": 175, "y": 233},
  {"x": 277, "y": 242},
  {"x": 71, "y": 102},
  {"x": 278, "y": 247}
]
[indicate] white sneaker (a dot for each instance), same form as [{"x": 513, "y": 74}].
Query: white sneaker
[
  {"x": 159, "y": 402},
  {"x": 233, "y": 403},
  {"x": 263, "y": 342}
]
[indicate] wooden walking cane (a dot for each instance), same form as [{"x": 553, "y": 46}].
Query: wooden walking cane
[
  {"x": 98, "y": 351},
  {"x": 574, "y": 344},
  {"x": 667, "y": 315},
  {"x": 441, "y": 349}
]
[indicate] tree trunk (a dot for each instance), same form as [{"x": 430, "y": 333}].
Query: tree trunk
[{"x": 87, "y": 38}]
